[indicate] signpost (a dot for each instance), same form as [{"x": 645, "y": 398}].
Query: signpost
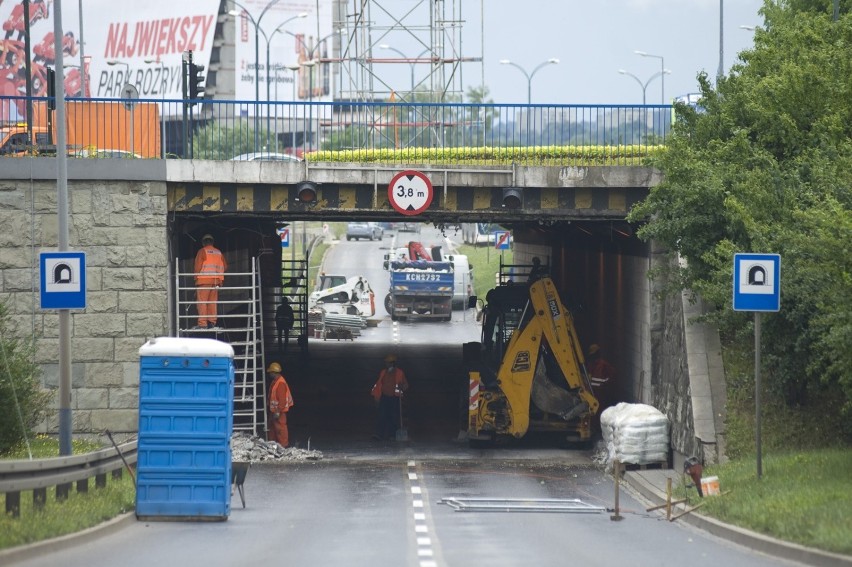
[
  {"x": 284, "y": 234},
  {"x": 757, "y": 287},
  {"x": 410, "y": 192}
]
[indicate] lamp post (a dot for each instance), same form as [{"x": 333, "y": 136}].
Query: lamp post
[
  {"x": 268, "y": 39},
  {"x": 409, "y": 61},
  {"x": 721, "y": 69},
  {"x": 113, "y": 62},
  {"x": 646, "y": 83},
  {"x": 662, "y": 73},
  {"x": 529, "y": 76},
  {"x": 256, "y": 24},
  {"x": 163, "y": 85},
  {"x": 82, "y": 54},
  {"x": 310, "y": 64},
  {"x": 293, "y": 123}
]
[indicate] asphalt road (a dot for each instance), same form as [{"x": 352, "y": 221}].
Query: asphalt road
[{"x": 380, "y": 505}]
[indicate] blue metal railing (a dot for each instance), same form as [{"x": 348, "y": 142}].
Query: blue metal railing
[{"x": 355, "y": 131}]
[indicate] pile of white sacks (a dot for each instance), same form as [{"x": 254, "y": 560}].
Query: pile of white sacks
[{"x": 635, "y": 433}]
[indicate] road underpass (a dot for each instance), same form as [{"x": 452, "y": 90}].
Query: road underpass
[{"x": 596, "y": 265}]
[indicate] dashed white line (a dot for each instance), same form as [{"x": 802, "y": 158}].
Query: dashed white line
[{"x": 425, "y": 553}]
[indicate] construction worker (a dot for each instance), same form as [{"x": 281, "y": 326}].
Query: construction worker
[
  {"x": 284, "y": 320},
  {"x": 388, "y": 392},
  {"x": 280, "y": 402},
  {"x": 210, "y": 266},
  {"x": 600, "y": 370}
]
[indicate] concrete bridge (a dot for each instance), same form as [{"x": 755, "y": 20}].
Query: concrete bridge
[{"x": 137, "y": 219}]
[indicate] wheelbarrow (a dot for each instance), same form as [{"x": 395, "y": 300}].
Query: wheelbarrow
[{"x": 239, "y": 470}]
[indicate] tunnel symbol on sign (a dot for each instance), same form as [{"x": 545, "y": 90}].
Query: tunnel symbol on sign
[
  {"x": 757, "y": 275},
  {"x": 62, "y": 274},
  {"x": 757, "y": 278}
]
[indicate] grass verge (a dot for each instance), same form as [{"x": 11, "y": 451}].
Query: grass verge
[
  {"x": 803, "y": 497},
  {"x": 77, "y": 513}
]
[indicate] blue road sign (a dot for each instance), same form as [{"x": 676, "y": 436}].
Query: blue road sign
[
  {"x": 757, "y": 282},
  {"x": 63, "y": 280},
  {"x": 284, "y": 233},
  {"x": 502, "y": 239}
]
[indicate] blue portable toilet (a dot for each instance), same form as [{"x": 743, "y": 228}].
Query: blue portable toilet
[{"x": 186, "y": 401}]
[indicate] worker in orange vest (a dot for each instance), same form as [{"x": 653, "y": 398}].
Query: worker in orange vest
[
  {"x": 280, "y": 402},
  {"x": 387, "y": 392},
  {"x": 210, "y": 266}
]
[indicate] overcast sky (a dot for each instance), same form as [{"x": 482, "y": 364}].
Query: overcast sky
[{"x": 592, "y": 39}]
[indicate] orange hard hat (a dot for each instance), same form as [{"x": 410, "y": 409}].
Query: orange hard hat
[
  {"x": 274, "y": 367},
  {"x": 593, "y": 349},
  {"x": 390, "y": 358}
]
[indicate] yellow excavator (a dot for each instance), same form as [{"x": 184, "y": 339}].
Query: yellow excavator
[{"x": 528, "y": 373}]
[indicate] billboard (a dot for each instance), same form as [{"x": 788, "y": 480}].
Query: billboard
[
  {"x": 293, "y": 33},
  {"x": 141, "y": 43}
]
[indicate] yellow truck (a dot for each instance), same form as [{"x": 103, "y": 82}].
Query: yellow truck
[{"x": 93, "y": 128}]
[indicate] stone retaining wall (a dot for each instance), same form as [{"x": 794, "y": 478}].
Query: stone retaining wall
[{"x": 122, "y": 228}]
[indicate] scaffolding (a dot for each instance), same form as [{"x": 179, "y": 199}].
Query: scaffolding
[
  {"x": 240, "y": 324},
  {"x": 430, "y": 28}
]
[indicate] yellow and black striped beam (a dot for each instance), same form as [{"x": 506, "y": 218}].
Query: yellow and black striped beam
[{"x": 341, "y": 199}]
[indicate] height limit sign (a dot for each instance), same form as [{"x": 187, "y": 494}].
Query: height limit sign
[{"x": 410, "y": 192}]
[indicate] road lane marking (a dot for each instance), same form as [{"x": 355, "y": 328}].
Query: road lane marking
[{"x": 425, "y": 552}]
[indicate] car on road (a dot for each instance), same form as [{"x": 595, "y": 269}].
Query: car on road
[
  {"x": 265, "y": 156},
  {"x": 359, "y": 230},
  {"x": 378, "y": 231}
]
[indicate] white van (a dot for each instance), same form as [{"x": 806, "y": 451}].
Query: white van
[{"x": 463, "y": 287}]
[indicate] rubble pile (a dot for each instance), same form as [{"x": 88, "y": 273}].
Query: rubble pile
[{"x": 252, "y": 449}]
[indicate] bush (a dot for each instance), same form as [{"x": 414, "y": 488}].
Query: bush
[{"x": 23, "y": 403}]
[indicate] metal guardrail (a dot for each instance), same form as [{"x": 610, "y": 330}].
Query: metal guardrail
[
  {"x": 387, "y": 132},
  {"x": 37, "y": 475}
]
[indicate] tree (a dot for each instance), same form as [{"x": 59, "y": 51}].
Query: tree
[
  {"x": 23, "y": 403},
  {"x": 768, "y": 168},
  {"x": 213, "y": 140}
]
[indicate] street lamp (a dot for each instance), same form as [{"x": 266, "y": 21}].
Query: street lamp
[
  {"x": 645, "y": 84},
  {"x": 256, "y": 24},
  {"x": 529, "y": 76},
  {"x": 662, "y": 73},
  {"x": 310, "y": 64},
  {"x": 112, "y": 62},
  {"x": 293, "y": 123},
  {"x": 268, "y": 39},
  {"x": 409, "y": 61},
  {"x": 721, "y": 69},
  {"x": 163, "y": 84}
]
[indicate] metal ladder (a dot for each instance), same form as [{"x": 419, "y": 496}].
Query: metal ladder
[{"x": 240, "y": 324}]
